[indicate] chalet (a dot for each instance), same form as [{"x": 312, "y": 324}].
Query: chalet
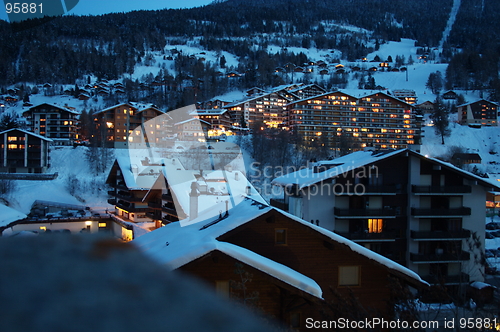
[
  {"x": 212, "y": 104},
  {"x": 175, "y": 201},
  {"x": 296, "y": 268},
  {"x": 481, "y": 112},
  {"x": 131, "y": 181},
  {"x": 323, "y": 72},
  {"x": 467, "y": 158},
  {"x": 219, "y": 120},
  {"x": 426, "y": 107},
  {"x": 424, "y": 216},
  {"x": 408, "y": 96},
  {"x": 22, "y": 151},
  {"x": 450, "y": 95},
  {"x": 192, "y": 130},
  {"x": 120, "y": 125},
  {"x": 60, "y": 124}
]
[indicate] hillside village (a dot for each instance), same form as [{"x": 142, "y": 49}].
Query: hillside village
[{"x": 361, "y": 178}]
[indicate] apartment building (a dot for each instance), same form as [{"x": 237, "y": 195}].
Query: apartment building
[
  {"x": 375, "y": 120},
  {"x": 23, "y": 152},
  {"x": 420, "y": 212},
  {"x": 481, "y": 112},
  {"x": 60, "y": 124},
  {"x": 119, "y": 125}
]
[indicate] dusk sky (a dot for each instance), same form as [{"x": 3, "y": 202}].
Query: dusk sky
[{"x": 97, "y": 7}]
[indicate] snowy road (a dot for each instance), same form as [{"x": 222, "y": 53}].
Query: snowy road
[{"x": 451, "y": 20}]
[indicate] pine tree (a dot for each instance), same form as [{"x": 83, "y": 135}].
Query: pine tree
[{"x": 440, "y": 119}]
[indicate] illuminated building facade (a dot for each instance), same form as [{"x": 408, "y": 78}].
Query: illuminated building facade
[
  {"x": 376, "y": 120},
  {"x": 60, "y": 124}
]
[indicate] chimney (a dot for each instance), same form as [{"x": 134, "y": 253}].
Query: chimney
[
  {"x": 248, "y": 191},
  {"x": 236, "y": 176},
  {"x": 193, "y": 201},
  {"x": 227, "y": 209}
]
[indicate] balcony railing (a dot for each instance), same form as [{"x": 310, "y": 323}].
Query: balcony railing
[
  {"x": 279, "y": 203},
  {"x": 440, "y": 257},
  {"x": 365, "y": 213},
  {"x": 385, "y": 235},
  {"x": 441, "y": 212},
  {"x": 438, "y": 235},
  {"x": 169, "y": 210},
  {"x": 154, "y": 205},
  {"x": 441, "y": 189},
  {"x": 447, "y": 280}
]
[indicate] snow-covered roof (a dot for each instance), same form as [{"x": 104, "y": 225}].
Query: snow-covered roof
[
  {"x": 307, "y": 176},
  {"x": 235, "y": 103},
  {"x": 8, "y": 215},
  {"x": 177, "y": 244},
  {"x": 478, "y": 101},
  {"x": 115, "y": 106},
  {"x": 27, "y": 132},
  {"x": 481, "y": 285},
  {"x": 213, "y": 111},
  {"x": 214, "y": 188},
  {"x": 62, "y": 108},
  {"x": 189, "y": 120},
  {"x": 137, "y": 176}
]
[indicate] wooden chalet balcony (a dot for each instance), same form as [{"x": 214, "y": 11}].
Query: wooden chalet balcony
[
  {"x": 112, "y": 201},
  {"x": 387, "y": 212},
  {"x": 153, "y": 215},
  {"x": 111, "y": 193},
  {"x": 440, "y": 257},
  {"x": 441, "y": 212},
  {"x": 169, "y": 210},
  {"x": 129, "y": 207},
  {"x": 447, "y": 280},
  {"x": 154, "y": 205},
  {"x": 119, "y": 185},
  {"x": 369, "y": 237},
  {"x": 167, "y": 197},
  {"x": 440, "y": 235},
  {"x": 441, "y": 190}
]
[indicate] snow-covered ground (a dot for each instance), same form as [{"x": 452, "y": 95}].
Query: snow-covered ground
[{"x": 67, "y": 162}]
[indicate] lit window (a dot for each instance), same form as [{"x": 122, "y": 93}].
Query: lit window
[
  {"x": 280, "y": 236},
  {"x": 375, "y": 225},
  {"x": 102, "y": 224},
  {"x": 349, "y": 276}
]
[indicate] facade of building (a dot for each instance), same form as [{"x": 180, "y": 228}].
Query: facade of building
[
  {"x": 191, "y": 130},
  {"x": 424, "y": 216},
  {"x": 219, "y": 120},
  {"x": 130, "y": 183},
  {"x": 409, "y": 96},
  {"x": 119, "y": 125},
  {"x": 60, "y": 124},
  {"x": 480, "y": 112},
  {"x": 375, "y": 120},
  {"x": 267, "y": 108},
  {"x": 296, "y": 269},
  {"x": 22, "y": 151}
]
